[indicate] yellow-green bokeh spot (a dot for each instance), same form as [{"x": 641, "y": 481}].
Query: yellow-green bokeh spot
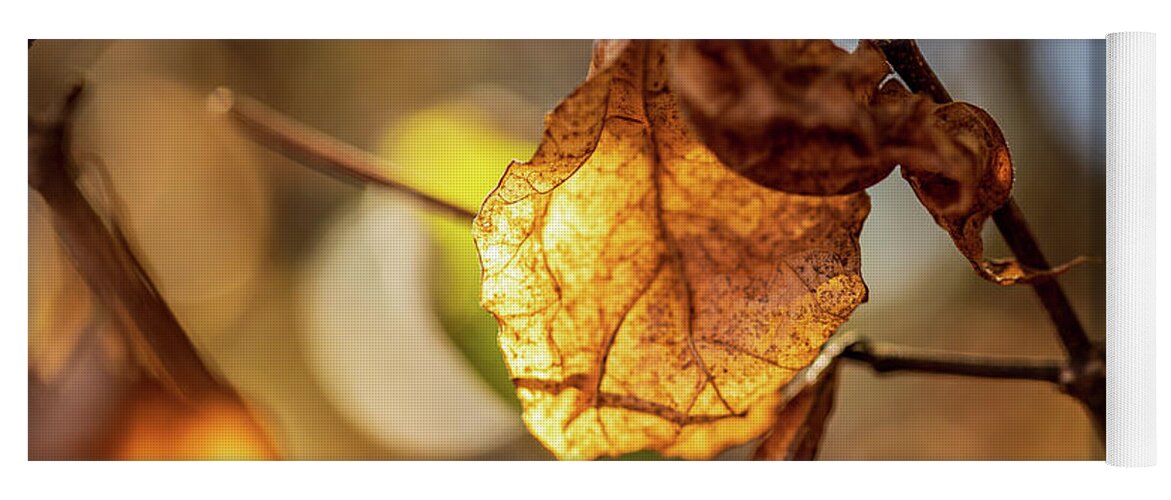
[{"x": 456, "y": 153}]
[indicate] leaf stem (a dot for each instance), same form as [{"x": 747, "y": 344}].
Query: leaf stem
[
  {"x": 802, "y": 422},
  {"x": 312, "y": 147},
  {"x": 1087, "y": 361},
  {"x": 908, "y": 61}
]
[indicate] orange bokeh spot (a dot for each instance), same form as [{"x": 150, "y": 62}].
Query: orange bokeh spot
[{"x": 161, "y": 428}]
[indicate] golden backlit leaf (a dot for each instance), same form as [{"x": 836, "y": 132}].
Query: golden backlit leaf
[{"x": 648, "y": 297}]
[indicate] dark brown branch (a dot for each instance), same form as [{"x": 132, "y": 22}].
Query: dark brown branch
[
  {"x": 885, "y": 357},
  {"x": 1015, "y": 229},
  {"x": 906, "y": 59},
  {"x": 1088, "y": 362},
  {"x": 104, "y": 260},
  {"x": 314, "y": 148}
]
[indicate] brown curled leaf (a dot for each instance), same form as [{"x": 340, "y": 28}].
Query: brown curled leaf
[
  {"x": 959, "y": 165},
  {"x": 962, "y": 172},
  {"x": 791, "y": 115},
  {"x": 647, "y": 296}
]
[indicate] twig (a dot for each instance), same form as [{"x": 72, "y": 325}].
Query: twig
[
  {"x": 906, "y": 59},
  {"x": 103, "y": 258},
  {"x": 1015, "y": 229},
  {"x": 314, "y": 148},
  {"x": 1087, "y": 361},
  {"x": 885, "y": 357}
]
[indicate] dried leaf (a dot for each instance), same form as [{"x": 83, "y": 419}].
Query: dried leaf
[
  {"x": 802, "y": 421},
  {"x": 959, "y": 165},
  {"x": 961, "y": 171},
  {"x": 648, "y": 297}
]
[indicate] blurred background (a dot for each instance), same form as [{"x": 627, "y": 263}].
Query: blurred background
[{"x": 348, "y": 318}]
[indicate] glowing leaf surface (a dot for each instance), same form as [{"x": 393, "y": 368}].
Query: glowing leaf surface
[{"x": 649, "y": 297}]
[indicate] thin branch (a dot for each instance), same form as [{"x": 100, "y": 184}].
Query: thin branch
[
  {"x": 885, "y": 357},
  {"x": 1015, "y": 230},
  {"x": 317, "y": 149},
  {"x": 1087, "y": 360},
  {"x": 104, "y": 260},
  {"x": 906, "y": 59}
]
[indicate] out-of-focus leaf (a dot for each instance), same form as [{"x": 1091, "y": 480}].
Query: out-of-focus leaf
[
  {"x": 185, "y": 188},
  {"x": 806, "y": 117},
  {"x": 792, "y": 115},
  {"x": 648, "y": 297},
  {"x": 102, "y": 257}
]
